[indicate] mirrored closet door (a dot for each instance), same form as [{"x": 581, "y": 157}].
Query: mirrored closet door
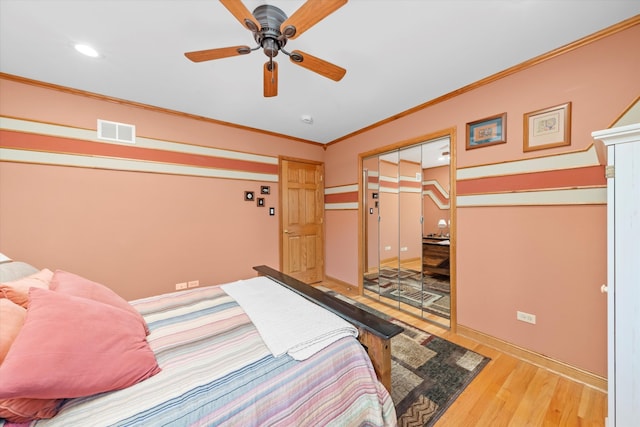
[{"x": 406, "y": 229}]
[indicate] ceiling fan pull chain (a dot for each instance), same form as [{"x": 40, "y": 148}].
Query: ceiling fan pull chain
[{"x": 271, "y": 68}]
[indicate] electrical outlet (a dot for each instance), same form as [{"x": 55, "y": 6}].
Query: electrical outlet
[
  {"x": 387, "y": 248},
  {"x": 193, "y": 283},
  {"x": 180, "y": 286},
  {"x": 404, "y": 249},
  {"x": 526, "y": 317}
]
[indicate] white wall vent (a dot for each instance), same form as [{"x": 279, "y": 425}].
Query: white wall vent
[{"x": 118, "y": 132}]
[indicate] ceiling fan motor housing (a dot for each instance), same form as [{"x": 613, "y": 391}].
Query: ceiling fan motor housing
[{"x": 269, "y": 35}]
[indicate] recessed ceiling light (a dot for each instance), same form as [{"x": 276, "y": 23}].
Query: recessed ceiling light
[
  {"x": 86, "y": 50},
  {"x": 306, "y": 118}
]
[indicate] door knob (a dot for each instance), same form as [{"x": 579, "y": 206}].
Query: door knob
[{"x": 604, "y": 289}]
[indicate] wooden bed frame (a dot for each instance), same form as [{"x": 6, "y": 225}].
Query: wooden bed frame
[{"x": 374, "y": 333}]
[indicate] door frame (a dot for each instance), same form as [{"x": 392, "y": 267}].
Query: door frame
[
  {"x": 451, "y": 133},
  {"x": 281, "y": 217}
]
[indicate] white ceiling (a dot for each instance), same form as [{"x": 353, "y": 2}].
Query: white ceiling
[{"x": 398, "y": 54}]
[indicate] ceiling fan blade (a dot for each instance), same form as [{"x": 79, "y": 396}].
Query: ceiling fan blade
[
  {"x": 223, "y": 52},
  {"x": 318, "y": 65},
  {"x": 309, "y": 14},
  {"x": 242, "y": 14},
  {"x": 270, "y": 79}
]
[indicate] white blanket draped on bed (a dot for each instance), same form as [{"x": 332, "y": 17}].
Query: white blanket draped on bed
[{"x": 287, "y": 322}]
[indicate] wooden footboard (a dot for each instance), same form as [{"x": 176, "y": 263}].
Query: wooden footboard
[{"x": 374, "y": 333}]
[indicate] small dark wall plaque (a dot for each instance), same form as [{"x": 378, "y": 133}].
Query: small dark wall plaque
[
  {"x": 249, "y": 196},
  {"x": 265, "y": 189},
  {"x": 260, "y": 201},
  {"x": 272, "y": 211}
]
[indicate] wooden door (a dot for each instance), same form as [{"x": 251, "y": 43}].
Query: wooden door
[{"x": 302, "y": 227}]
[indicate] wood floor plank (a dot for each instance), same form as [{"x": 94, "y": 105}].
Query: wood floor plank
[
  {"x": 532, "y": 407},
  {"x": 592, "y": 408},
  {"x": 480, "y": 397},
  {"x": 563, "y": 408}
]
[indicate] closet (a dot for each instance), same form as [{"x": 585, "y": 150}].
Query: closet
[
  {"x": 406, "y": 228},
  {"x": 623, "y": 272}
]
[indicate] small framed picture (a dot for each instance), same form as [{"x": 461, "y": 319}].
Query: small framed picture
[
  {"x": 260, "y": 201},
  {"x": 265, "y": 189},
  {"x": 488, "y": 131},
  {"x": 272, "y": 211},
  {"x": 547, "y": 128},
  {"x": 248, "y": 196}
]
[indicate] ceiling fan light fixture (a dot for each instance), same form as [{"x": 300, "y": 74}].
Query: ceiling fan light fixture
[{"x": 270, "y": 47}]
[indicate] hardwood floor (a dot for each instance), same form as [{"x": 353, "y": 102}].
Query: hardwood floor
[{"x": 508, "y": 391}]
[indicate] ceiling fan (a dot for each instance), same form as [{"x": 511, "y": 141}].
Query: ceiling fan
[{"x": 271, "y": 30}]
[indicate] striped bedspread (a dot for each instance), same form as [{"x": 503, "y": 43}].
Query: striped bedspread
[{"x": 216, "y": 370}]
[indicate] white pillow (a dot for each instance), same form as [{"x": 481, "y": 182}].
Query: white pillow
[{"x": 14, "y": 270}]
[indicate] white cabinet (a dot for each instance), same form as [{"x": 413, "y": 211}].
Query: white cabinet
[{"x": 623, "y": 272}]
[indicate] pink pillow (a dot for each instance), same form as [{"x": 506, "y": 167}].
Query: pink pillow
[
  {"x": 18, "y": 290},
  {"x": 71, "y": 346},
  {"x": 25, "y": 410},
  {"x": 72, "y": 284},
  {"x": 11, "y": 318}
]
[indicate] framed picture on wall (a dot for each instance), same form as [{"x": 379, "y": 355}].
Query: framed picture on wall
[
  {"x": 488, "y": 131},
  {"x": 547, "y": 128}
]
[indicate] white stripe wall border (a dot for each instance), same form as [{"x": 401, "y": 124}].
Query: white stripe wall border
[
  {"x": 94, "y": 162},
  {"x": 340, "y": 206},
  {"x": 409, "y": 190},
  {"x": 435, "y": 199},
  {"x": 576, "y": 196},
  {"x": 437, "y": 185},
  {"x": 341, "y": 189},
  {"x": 539, "y": 164}
]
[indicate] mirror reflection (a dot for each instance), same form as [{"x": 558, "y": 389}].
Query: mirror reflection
[{"x": 407, "y": 229}]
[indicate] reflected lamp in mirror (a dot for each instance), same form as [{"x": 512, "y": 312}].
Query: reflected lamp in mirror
[{"x": 442, "y": 224}]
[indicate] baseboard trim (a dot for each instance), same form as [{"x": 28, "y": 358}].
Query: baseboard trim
[{"x": 537, "y": 359}]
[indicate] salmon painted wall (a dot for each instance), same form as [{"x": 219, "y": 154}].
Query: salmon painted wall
[
  {"x": 410, "y": 207},
  {"x": 141, "y": 218},
  {"x": 388, "y": 211},
  {"x": 372, "y": 203},
  {"x": 531, "y": 226}
]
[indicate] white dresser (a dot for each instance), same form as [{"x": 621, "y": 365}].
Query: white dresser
[{"x": 623, "y": 272}]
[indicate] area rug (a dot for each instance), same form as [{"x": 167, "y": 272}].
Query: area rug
[
  {"x": 428, "y": 373},
  {"x": 430, "y": 293}
]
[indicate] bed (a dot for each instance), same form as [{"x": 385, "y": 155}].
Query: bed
[{"x": 200, "y": 356}]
